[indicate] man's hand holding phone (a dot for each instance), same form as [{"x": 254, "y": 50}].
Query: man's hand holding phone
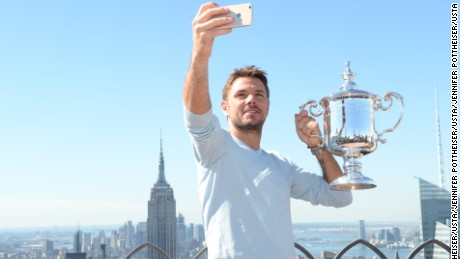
[
  {"x": 209, "y": 16},
  {"x": 212, "y": 21}
]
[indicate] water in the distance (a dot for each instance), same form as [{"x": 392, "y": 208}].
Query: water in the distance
[{"x": 333, "y": 237}]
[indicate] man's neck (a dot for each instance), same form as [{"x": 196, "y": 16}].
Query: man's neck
[{"x": 250, "y": 138}]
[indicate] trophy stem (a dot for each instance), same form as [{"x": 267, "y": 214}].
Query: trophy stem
[{"x": 353, "y": 179}]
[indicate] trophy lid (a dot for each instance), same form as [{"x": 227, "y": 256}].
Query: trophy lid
[{"x": 349, "y": 88}]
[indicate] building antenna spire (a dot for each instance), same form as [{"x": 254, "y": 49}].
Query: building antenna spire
[
  {"x": 439, "y": 145},
  {"x": 161, "y": 182},
  {"x": 161, "y": 142}
]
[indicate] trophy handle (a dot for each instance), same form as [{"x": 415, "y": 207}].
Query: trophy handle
[
  {"x": 378, "y": 106},
  {"x": 313, "y": 104}
]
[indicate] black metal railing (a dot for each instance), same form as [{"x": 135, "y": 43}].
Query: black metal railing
[
  {"x": 365, "y": 243},
  {"x": 296, "y": 245},
  {"x": 148, "y": 245},
  {"x": 427, "y": 243},
  {"x": 308, "y": 255}
]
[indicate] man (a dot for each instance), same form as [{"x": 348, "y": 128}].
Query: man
[{"x": 244, "y": 190}]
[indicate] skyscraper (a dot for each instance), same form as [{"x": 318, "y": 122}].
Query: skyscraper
[
  {"x": 442, "y": 234},
  {"x": 77, "y": 241},
  {"x": 141, "y": 233},
  {"x": 396, "y": 234},
  {"x": 199, "y": 233},
  {"x": 434, "y": 199},
  {"x": 362, "y": 230},
  {"x": 181, "y": 235},
  {"x": 161, "y": 221},
  {"x": 127, "y": 236},
  {"x": 435, "y": 207},
  {"x": 87, "y": 241},
  {"x": 77, "y": 245}
]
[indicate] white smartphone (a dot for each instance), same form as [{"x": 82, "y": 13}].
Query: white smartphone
[{"x": 242, "y": 15}]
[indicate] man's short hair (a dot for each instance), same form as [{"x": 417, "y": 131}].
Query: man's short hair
[{"x": 248, "y": 71}]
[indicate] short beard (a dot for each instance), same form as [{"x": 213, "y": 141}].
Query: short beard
[{"x": 251, "y": 127}]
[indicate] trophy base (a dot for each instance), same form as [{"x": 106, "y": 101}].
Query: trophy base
[{"x": 349, "y": 183}]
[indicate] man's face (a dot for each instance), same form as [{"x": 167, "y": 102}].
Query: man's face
[{"x": 247, "y": 104}]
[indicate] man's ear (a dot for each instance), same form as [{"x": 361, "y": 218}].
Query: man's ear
[{"x": 224, "y": 106}]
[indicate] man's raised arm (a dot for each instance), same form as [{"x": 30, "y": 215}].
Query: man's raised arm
[{"x": 196, "y": 86}]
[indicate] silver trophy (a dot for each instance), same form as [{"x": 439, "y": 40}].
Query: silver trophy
[{"x": 349, "y": 128}]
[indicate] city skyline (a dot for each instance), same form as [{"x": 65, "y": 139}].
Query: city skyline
[
  {"x": 87, "y": 87},
  {"x": 118, "y": 241}
]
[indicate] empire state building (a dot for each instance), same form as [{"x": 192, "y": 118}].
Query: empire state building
[{"x": 161, "y": 221}]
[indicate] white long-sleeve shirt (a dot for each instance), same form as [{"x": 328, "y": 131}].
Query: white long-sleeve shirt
[{"x": 245, "y": 193}]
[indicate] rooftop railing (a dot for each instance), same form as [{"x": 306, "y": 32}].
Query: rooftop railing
[{"x": 307, "y": 254}]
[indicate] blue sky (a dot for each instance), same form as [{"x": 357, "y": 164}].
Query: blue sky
[{"x": 86, "y": 87}]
